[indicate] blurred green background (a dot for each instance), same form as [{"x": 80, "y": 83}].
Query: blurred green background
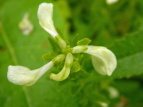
[{"x": 118, "y": 26}]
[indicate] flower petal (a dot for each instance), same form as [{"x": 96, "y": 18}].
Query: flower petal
[
  {"x": 20, "y": 75},
  {"x": 45, "y": 13},
  {"x": 104, "y": 60},
  {"x": 64, "y": 73}
]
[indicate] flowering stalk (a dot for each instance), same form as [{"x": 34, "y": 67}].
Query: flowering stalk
[{"x": 103, "y": 60}]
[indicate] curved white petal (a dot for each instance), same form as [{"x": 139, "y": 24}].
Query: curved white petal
[
  {"x": 20, "y": 75},
  {"x": 45, "y": 13},
  {"x": 104, "y": 60},
  {"x": 64, "y": 73}
]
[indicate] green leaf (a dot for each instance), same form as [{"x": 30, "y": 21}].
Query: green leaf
[{"x": 129, "y": 53}]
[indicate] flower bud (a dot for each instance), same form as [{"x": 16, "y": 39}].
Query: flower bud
[
  {"x": 20, "y": 75},
  {"x": 79, "y": 49},
  {"x": 58, "y": 58}
]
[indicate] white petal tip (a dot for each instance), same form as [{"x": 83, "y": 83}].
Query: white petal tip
[
  {"x": 20, "y": 75},
  {"x": 45, "y": 13},
  {"x": 103, "y": 60}
]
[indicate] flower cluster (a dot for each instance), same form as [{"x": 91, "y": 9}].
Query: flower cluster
[{"x": 104, "y": 61}]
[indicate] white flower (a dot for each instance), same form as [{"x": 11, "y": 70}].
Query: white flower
[
  {"x": 25, "y": 25},
  {"x": 104, "y": 60},
  {"x": 111, "y": 1},
  {"x": 20, "y": 75},
  {"x": 45, "y": 13}
]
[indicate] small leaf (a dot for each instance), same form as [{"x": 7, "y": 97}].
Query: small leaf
[{"x": 84, "y": 41}]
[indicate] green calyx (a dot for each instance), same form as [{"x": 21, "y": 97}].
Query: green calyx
[
  {"x": 65, "y": 50},
  {"x": 65, "y": 57}
]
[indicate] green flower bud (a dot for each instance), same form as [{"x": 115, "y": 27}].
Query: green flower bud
[
  {"x": 79, "y": 49},
  {"x": 58, "y": 58}
]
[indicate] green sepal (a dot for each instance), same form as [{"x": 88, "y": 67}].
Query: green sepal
[
  {"x": 75, "y": 66},
  {"x": 60, "y": 41},
  {"x": 53, "y": 44},
  {"x": 84, "y": 41},
  {"x": 59, "y": 58},
  {"x": 49, "y": 56},
  {"x": 74, "y": 40}
]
